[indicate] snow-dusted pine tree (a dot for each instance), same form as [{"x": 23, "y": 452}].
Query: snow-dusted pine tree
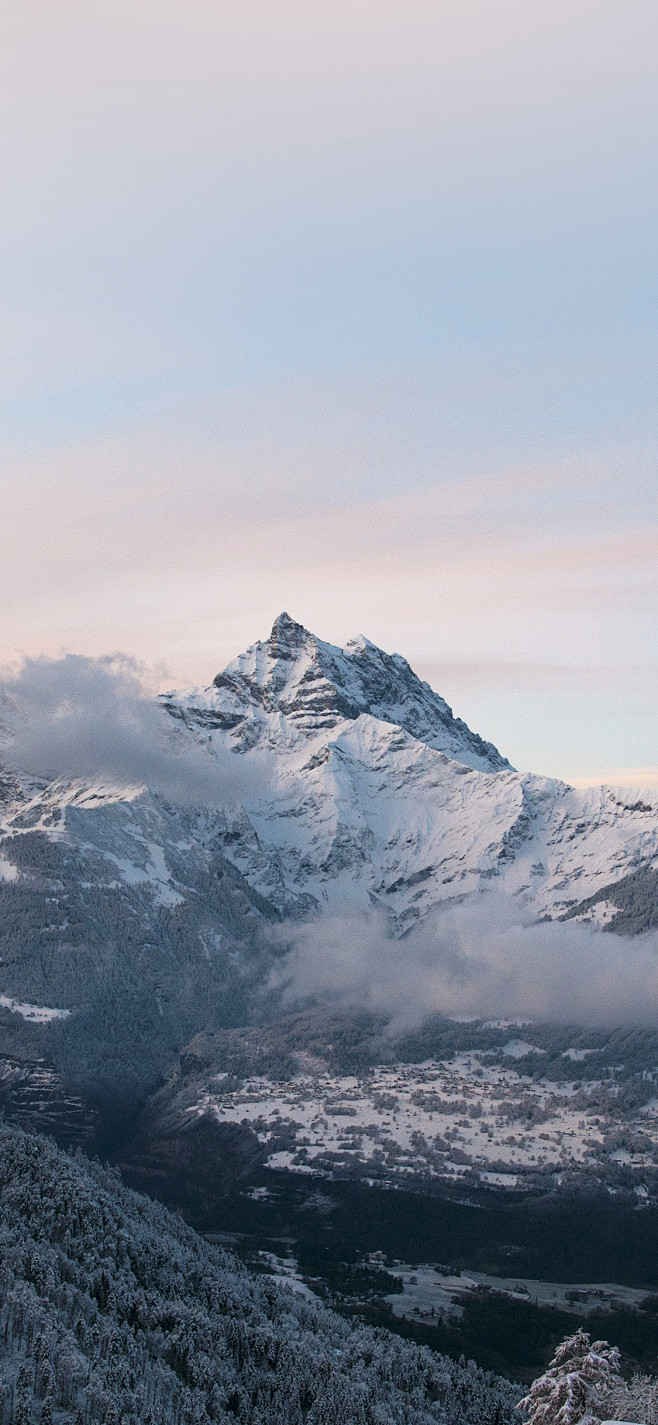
[
  {"x": 568, "y": 1391},
  {"x": 636, "y": 1399}
]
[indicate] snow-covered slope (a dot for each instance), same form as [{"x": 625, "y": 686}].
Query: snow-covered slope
[{"x": 379, "y": 795}]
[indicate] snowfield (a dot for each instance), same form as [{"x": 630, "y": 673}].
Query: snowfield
[{"x": 430, "y": 1292}]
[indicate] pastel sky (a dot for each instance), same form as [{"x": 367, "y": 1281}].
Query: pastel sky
[{"x": 349, "y": 309}]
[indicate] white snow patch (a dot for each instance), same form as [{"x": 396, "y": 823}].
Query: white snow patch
[
  {"x": 154, "y": 874},
  {"x": 38, "y": 1014},
  {"x": 518, "y": 1048},
  {"x": 600, "y": 914},
  {"x": 433, "y": 1292}
]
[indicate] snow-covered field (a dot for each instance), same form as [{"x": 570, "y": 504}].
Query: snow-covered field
[
  {"x": 37, "y": 1013},
  {"x": 436, "y": 1292},
  {"x": 467, "y": 1119},
  {"x": 429, "y": 1292}
]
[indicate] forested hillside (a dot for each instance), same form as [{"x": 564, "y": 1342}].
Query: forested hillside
[
  {"x": 114, "y": 1311},
  {"x": 126, "y": 977}
]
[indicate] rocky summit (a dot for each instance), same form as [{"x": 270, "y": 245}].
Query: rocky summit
[{"x": 294, "y": 687}]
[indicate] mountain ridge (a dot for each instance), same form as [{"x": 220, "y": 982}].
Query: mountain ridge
[
  {"x": 358, "y": 792},
  {"x": 381, "y": 796}
]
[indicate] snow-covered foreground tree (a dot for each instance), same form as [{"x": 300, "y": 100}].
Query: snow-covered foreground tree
[
  {"x": 636, "y": 1400},
  {"x": 113, "y": 1311},
  {"x": 580, "y": 1374}
]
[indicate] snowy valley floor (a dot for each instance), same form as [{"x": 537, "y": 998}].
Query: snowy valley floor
[{"x": 468, "y": 1121}]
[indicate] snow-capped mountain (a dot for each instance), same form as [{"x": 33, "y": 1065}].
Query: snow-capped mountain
[
  {"x": 379, "y": 795},
  {"x": 364, "y": 790}
]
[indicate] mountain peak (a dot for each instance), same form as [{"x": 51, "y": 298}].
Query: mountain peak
[
  {"x": 295, "y": 686},
  {"x": 287, "y": 636}
]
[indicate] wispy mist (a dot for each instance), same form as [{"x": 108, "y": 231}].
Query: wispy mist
[
  {"x": 480, "y": 959},
  {"x": 87, "y": 718}
]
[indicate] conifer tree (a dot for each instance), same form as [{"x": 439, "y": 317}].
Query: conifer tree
[{"x": 568, "y": 1391}]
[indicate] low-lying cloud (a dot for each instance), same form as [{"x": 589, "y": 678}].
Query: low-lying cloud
[
  {"x": 89, "y": 718},
  {"x": 479, "y": 959}
]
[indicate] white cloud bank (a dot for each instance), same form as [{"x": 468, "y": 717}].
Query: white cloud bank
[
  {"x": 97, "y": 717},
  {"x": 478, "y": 959}
]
